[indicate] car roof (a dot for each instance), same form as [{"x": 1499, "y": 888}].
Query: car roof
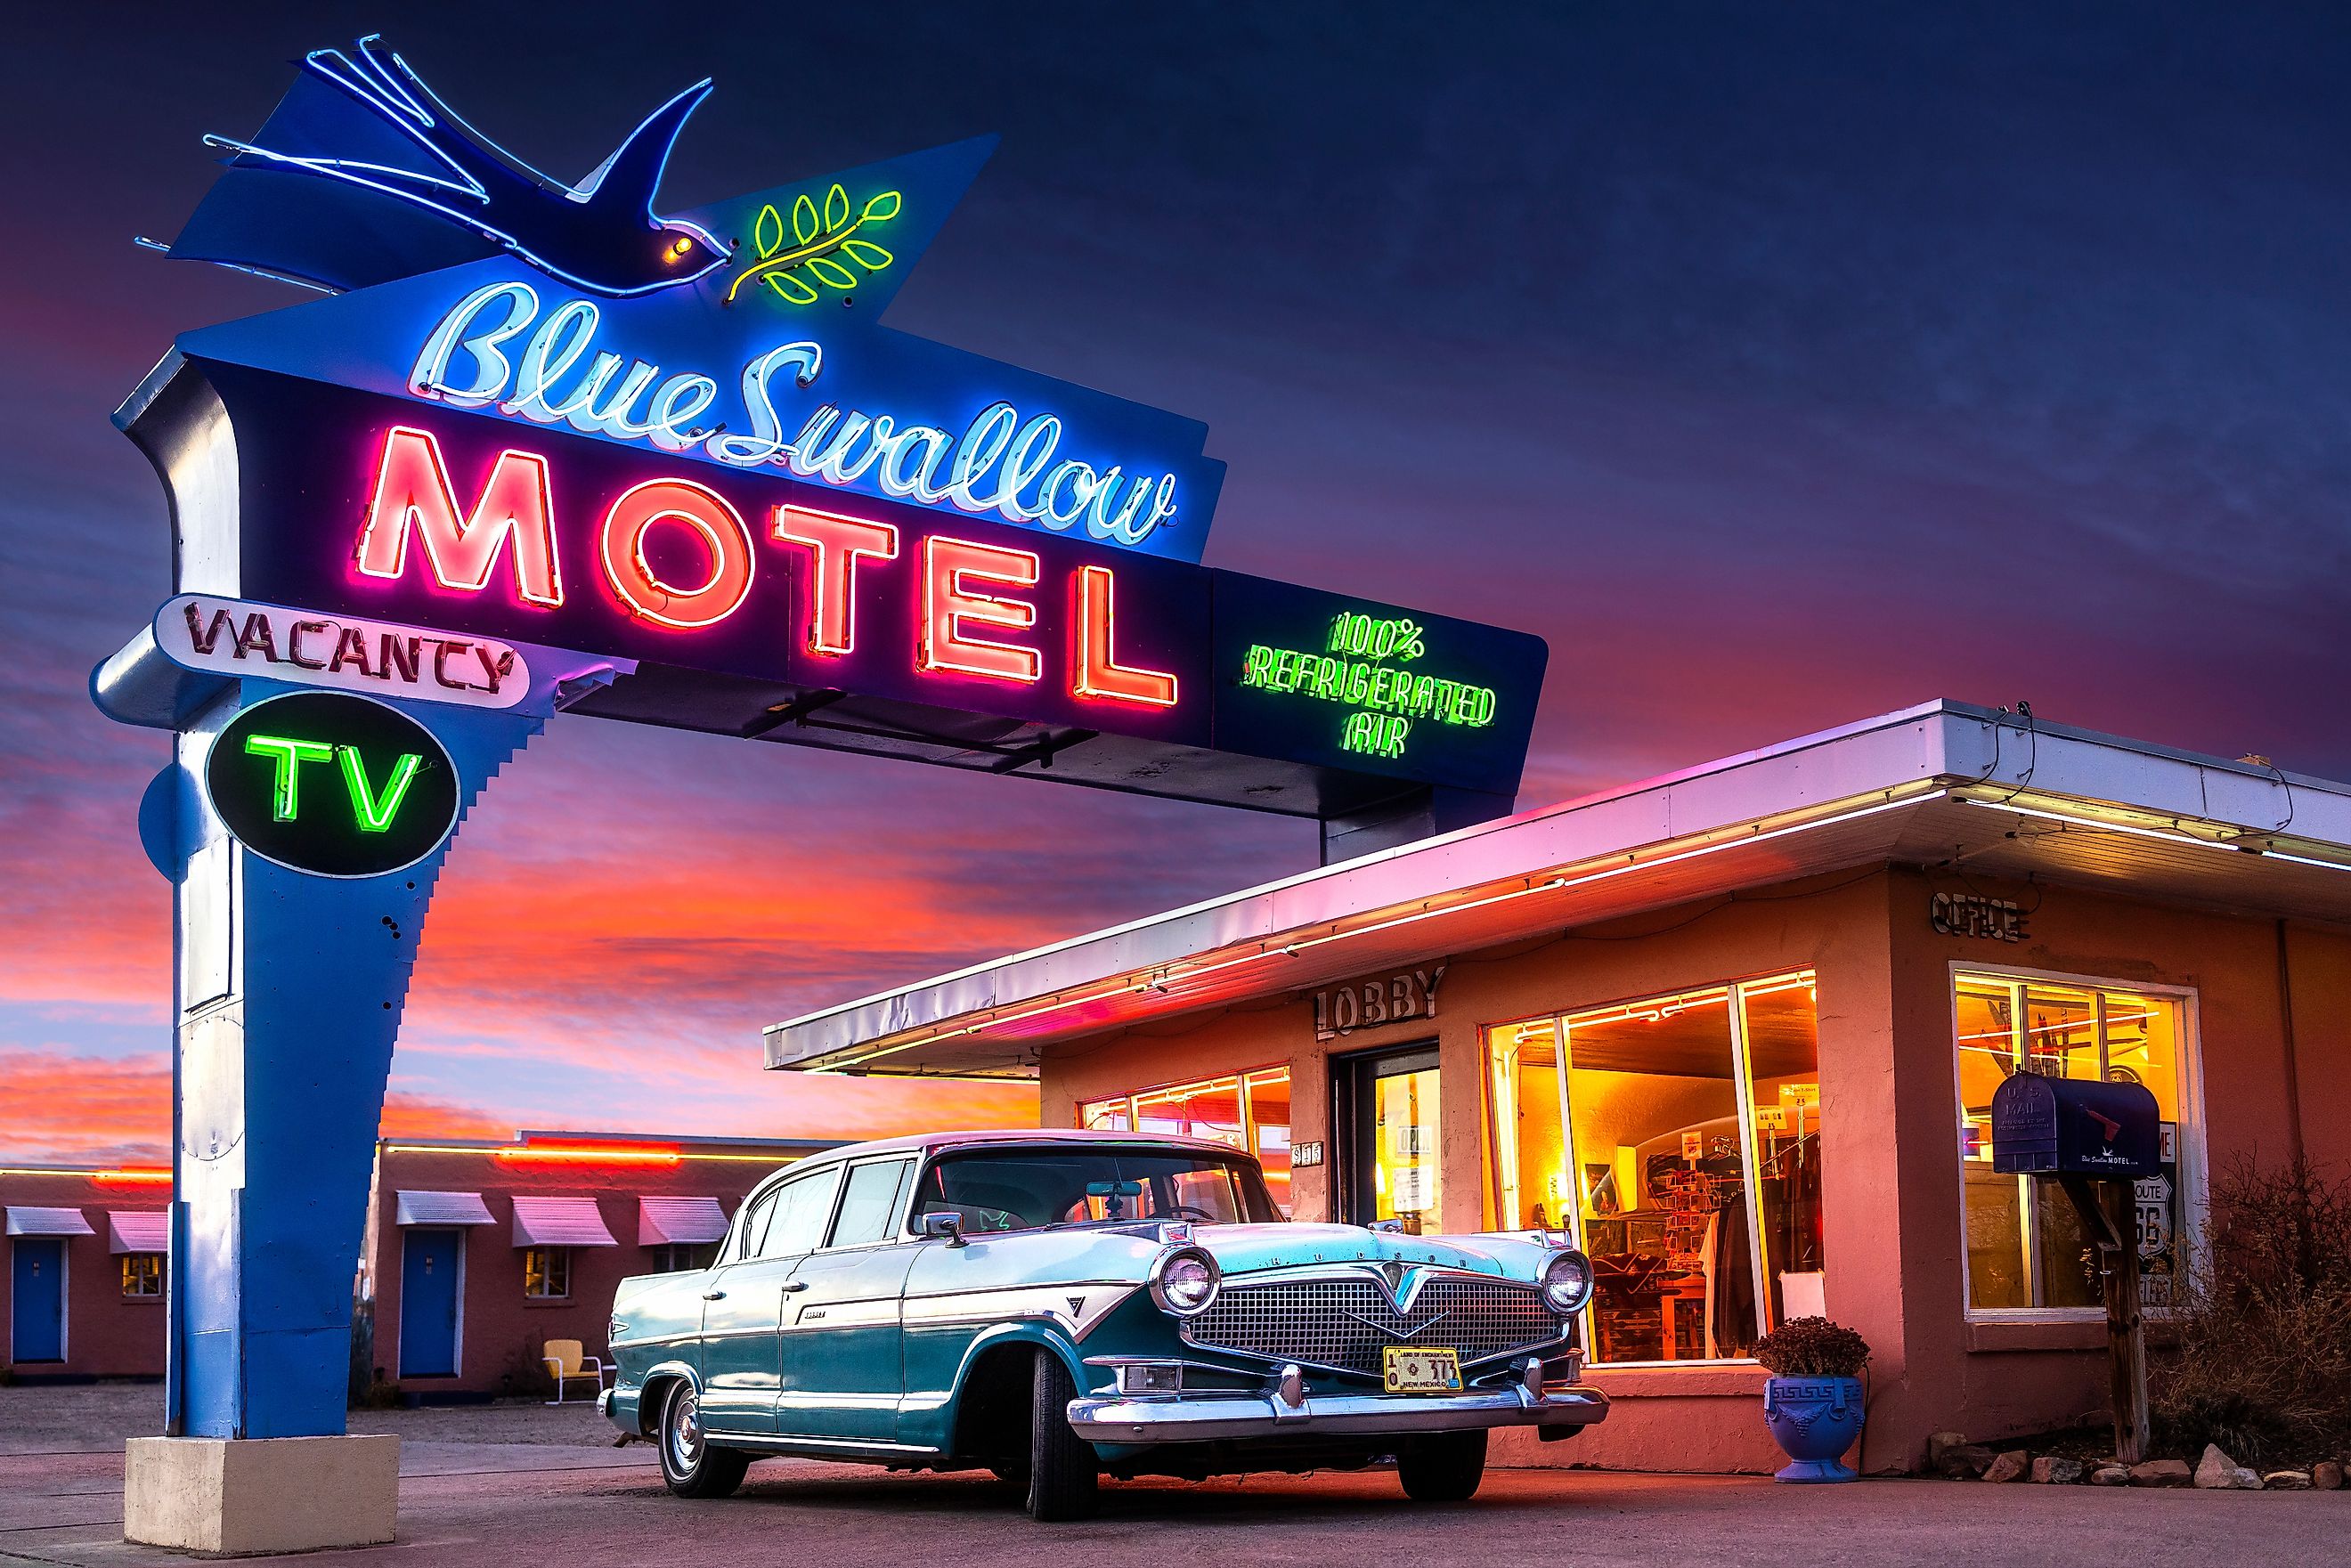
[{"x": 1007, "y": 1137}]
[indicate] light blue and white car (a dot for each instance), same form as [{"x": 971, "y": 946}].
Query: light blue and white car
[{"x": 1059, "y": 1306}]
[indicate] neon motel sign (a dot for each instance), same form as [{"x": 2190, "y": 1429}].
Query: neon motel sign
[
  {"x": 977, "y": 604},
  {"x": 1365, "y": 666},
  {"x": 659, "y": 439},
  {"x": 1000, "y": 461}
]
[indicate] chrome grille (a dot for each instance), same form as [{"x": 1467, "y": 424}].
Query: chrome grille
[{"x": 1344, "y": 1322}]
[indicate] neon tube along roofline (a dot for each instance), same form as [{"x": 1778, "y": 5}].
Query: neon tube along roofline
[
  {"x": 1292, "y": 949},
  {"x": 2133, "y": 830}
]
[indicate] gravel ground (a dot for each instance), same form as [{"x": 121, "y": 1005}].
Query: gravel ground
[
  {"x": 593, "y": 1507},
  {"x": 479, "y": 1485},
  {"x": 96, "y": 1417}
]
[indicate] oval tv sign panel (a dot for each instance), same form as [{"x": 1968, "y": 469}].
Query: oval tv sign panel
[{"x": 333, "y": 785}]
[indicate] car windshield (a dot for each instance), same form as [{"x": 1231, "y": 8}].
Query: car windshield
[{"x": 1027, "y": 1189}]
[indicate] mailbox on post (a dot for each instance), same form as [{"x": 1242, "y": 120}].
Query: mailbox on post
[
  {"x": 2095, "y": 1139},
  {"x": 2075, "y": 1127}
]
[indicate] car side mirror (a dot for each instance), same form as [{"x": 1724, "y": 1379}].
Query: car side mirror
[{"x": 944, "y": 1225}]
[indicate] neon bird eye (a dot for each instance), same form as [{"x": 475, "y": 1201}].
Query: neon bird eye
[{"x": 678, "y": 248}]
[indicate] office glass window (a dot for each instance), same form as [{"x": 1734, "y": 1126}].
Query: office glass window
[
  {"x": 1677, "y": 1139},
  {"x": 546, "y": 1273},
  {"x": 143, "y": 1274},
  {"x": 2024, "y": 1246},
  {"x": 1248, "y": 1110}
]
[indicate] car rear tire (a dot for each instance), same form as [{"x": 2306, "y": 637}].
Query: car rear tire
[
  {"x": 690, "y": 1465},
  {"x": 1064, "y": 1475},
  {"x": 1444, "y": 1468}
]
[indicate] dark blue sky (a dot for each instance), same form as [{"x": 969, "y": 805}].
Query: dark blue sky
[{"x": 1781, "y": 367}]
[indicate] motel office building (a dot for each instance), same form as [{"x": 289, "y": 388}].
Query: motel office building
[{"x": 1737, "y": 1031}]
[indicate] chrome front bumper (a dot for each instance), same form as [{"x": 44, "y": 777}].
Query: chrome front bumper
[{"x": 1210, "y": 1417}]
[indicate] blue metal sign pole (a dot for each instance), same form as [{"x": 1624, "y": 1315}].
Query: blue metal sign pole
[{"x": 289, "y": 990}]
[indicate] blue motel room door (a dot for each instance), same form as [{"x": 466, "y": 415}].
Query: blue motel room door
[
  {"x": 38, "y": 1329},
  {"x": 428, "y": 1304}
]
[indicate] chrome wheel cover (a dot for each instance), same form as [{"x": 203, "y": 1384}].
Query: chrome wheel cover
[{"x": 681, "y": 1443}]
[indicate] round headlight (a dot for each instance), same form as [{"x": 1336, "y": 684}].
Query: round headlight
[
  {"x": 1567, "y": 1282},
  {"x": 1184, "y": 1282}
]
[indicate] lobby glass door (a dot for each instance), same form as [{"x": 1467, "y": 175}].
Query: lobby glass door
[{"x": 1390, "y": 1167}]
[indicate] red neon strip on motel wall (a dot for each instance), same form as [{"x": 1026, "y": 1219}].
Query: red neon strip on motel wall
[
  {"x": 413, "y": 485},
  {"x": 569, "y": 1154},
  {"x": 839, "y": 543},
  {"x": 948, "y": 602},
  {"x": 1098, "y": 673}
]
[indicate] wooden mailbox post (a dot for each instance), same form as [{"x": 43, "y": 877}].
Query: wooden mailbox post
[{"x": 2095, "y": 1140}]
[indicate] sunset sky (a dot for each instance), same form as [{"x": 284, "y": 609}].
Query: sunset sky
[{"x": 1780, "y": 371}]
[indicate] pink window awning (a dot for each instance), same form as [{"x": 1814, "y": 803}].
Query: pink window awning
[{"x": 559, "y": 1222}]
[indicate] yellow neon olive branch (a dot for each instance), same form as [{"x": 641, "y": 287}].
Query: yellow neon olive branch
[{"x": 786, "y": 260}]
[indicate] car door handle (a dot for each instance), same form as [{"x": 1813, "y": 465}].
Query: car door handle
[
  {"x": 794, "y": 1286},
  {"x": 714, "y": 1295}
]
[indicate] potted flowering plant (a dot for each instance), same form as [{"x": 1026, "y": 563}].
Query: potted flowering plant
[{"x": 1812, "y": 1401}]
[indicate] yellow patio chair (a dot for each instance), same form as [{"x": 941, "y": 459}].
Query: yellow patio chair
[{"x": 565, "y": 1359}]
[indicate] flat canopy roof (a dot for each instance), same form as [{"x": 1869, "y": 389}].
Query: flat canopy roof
[{"x": 1945, "y": 781}]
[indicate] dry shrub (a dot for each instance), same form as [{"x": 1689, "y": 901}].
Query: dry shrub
[
  {"x": 1812, "y": 1347},
  {"x": 2263, "y": 1363}
]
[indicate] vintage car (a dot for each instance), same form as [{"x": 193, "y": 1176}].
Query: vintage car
[{"x": 1059, "y": 1306}]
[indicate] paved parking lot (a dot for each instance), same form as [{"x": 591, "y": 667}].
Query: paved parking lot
[{"x": 481, "y": 1486}]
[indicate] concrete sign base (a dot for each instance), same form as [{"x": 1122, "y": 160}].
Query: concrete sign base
[{"x": 243, "y": 1497}]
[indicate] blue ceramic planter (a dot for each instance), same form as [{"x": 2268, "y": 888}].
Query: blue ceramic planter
[{"x": 1813, "y": 1420}]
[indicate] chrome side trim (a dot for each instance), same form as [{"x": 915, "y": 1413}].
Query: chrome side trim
[
  {"x": 1077, "y": 1306},
  {"x": 820, "y": 1447},
  {"x": 1187, "y": 1418}
]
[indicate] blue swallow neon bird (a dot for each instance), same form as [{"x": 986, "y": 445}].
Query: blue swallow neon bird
[{"x": 364, "y": 173}]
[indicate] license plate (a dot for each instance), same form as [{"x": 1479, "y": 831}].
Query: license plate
[{"x": 1416, "y": 1369}]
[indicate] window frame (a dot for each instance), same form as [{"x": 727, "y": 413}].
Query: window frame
[
  {"x": 2189, "y": 1151},
  {"x": 552, "y": 1252},
  {"x": 893, "y": 1228},
  {"x": 838, "y": 1170},
  {"x": 667, "y": 1252},
  {"x": 162, "y": 1277},
  {"x": 1501, "y": 1132},
  {"x": 1245, "y": 1109}
]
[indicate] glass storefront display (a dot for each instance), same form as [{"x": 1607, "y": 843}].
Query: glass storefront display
[
  {"x": 2005, "y": 1025},
  {"x": 1678, "y": 1140},
  {"x": 1249, "y": 1111}
]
